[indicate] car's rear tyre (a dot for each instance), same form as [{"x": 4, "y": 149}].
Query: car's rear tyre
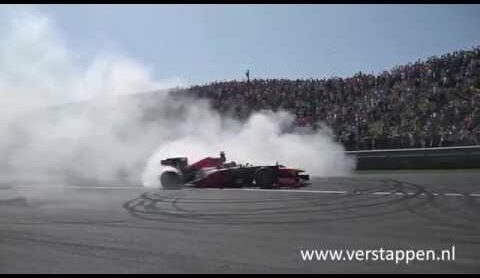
[
  {"x": 171, "y": 180},
  {"x": 265, "y": 177},
  {"x": 241, "y": 177}
]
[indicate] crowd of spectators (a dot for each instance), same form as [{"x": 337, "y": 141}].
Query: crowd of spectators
[{"x": 431, "y": 103}]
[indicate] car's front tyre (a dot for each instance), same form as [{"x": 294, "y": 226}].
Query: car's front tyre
[{"x": 265, "y": 177}]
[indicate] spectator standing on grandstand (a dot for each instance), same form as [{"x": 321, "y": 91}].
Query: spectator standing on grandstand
[{"x": 247, "y": 73}]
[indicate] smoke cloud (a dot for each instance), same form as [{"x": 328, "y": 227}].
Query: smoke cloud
[{"x": 110, "y": 121}]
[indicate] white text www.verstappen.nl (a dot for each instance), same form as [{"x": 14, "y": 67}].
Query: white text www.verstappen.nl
[{"x": 381, "y": 254}]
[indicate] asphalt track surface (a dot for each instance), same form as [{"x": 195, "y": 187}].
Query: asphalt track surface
[{"x": 101, "y": 228}]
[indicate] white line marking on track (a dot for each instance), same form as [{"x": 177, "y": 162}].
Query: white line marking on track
[
  {"x": 381, "y": 193},
  {"x": 453, "y": 194}
]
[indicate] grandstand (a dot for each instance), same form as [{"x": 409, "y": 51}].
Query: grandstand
[{"x": 429, "y": 103}]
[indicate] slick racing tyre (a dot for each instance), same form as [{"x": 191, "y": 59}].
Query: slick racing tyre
[
  {"x": 171, "y": 180},
  {"x": 265, "y": 177},
  {"x": 241, "y": 177}
]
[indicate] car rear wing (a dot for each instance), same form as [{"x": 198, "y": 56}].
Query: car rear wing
[{"x": 175, "y": 162}]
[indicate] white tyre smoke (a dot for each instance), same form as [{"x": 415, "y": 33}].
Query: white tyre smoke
[{"x": 117, "y": 134}]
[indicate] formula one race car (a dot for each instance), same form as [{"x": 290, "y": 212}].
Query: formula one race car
[{"x": 214, "y": 172}]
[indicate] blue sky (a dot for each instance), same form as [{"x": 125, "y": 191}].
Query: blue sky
[{"x": 203, "y": 43}]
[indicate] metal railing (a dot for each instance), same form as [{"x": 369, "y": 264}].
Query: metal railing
[
  {"x": 418, "y": 149},
  {"x": 419, "y": 158}
]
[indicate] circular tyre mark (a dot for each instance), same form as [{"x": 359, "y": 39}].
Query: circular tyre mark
[{"x": 267, "y": 207}]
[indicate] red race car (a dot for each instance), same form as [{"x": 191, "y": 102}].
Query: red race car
[{"x": 214, "y": 172}]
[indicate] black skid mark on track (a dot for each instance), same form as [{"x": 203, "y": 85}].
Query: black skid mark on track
[
  {"x": 464, "y": 216},
  {"x": 20, "y": 201},
  {"x": 186, "y": 206}
]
